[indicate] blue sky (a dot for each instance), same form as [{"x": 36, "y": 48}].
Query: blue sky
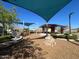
[{"x": 60, "y": 18}]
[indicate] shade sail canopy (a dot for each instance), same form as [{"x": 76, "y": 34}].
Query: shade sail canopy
[
  {"x": 53, "y": 25},
  {"x": 26, "y": 24},
  {"x": 44, "y": 8}
]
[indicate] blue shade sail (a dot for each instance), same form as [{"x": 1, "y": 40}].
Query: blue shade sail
[
  {"x": 44, "y": 8},
  {"x": 26, "y": 24}
]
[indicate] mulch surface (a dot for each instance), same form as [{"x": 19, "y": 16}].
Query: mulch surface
[{"x": 62, "y": 50}]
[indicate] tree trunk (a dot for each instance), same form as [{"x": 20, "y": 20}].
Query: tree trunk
[{"x": 3, "y": 32}]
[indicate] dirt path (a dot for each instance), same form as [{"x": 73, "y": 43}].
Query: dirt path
[{"x": 62, "y": 49}]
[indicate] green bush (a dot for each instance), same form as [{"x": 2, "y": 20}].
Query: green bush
[
  {"x": 71, "y": 37},
  {"x": 66, "y": 36},
  {"x": 58, "y": 36},
  {"x": 5, "y": 38}
]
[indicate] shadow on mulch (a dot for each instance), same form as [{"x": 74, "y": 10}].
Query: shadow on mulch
[
  {"x": 23, "y": 50},
  {"x": 77, "y": 40}
]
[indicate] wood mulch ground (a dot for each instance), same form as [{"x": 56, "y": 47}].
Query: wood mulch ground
[
  {"x": 62, "y": 50},
  {"x": 37, "y": 49}
]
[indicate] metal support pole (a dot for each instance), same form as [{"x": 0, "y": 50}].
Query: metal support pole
[
  {"x": 70, "y": 21},
  {"x": 69, "y": 24},
  {"x": 46, "y": 29},
  {"x": 23, "y": 24}
]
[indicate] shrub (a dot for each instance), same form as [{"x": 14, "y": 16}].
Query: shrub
[
  {"x": 66, "y": 35},
  {"x": 72, "y": 36},
  {"x": 58, "y": 36},
  {"x": 5, "y": 38}
]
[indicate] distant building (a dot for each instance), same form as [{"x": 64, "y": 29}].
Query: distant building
[
  {"x": 53, "y": 28},
  {"x": 75, "y": 30},
  {"x": 39, "y": 30}
]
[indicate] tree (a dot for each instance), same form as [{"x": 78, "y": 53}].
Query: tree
[{"x": 7, "y": 17}]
